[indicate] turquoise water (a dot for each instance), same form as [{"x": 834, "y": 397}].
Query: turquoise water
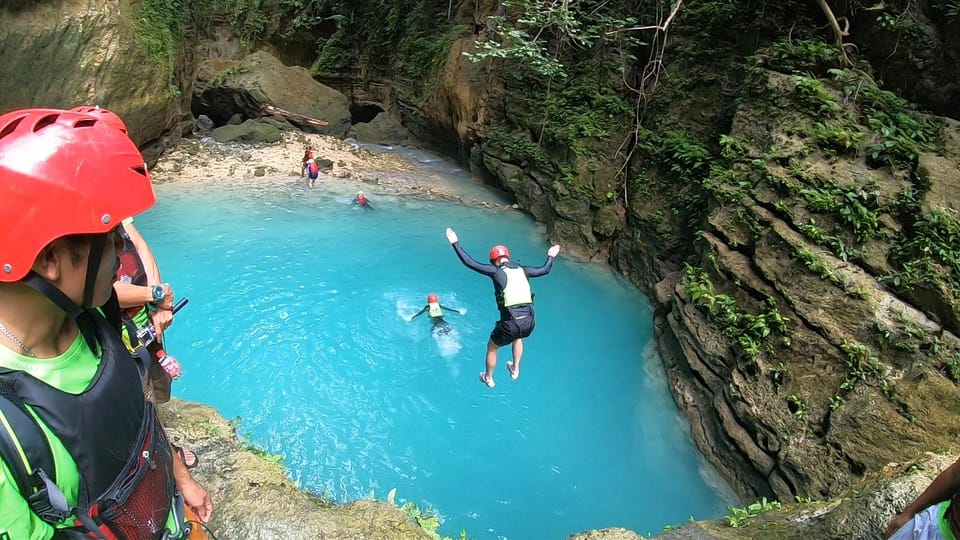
[{"x": 297, "y": 325}]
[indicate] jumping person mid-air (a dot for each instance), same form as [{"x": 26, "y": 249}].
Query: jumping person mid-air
[{"x": 511, "y": 289}]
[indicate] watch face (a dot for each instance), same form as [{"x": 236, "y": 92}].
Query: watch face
[{"x": 158, "y": 293}]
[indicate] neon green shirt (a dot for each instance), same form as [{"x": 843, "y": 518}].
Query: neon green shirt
[
  {"x": 70, "y": 372},
  {"x": 945, "y": 529}
]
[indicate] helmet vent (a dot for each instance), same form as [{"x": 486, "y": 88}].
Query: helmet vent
[
  {"x": 10, "y": 128},
  {"x": 86, "y": 122},
  {"x": 45, "y": 121},
  {"x": 141, "y": 170}
]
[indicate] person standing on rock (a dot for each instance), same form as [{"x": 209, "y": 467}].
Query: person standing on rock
[
  {"x": 935, "y": 514},
  {"x": 511, "y": 289}
]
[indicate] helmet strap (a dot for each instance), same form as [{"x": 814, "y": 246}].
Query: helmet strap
[
  {"x": 62, "y": 301},
  {"x": 93, "y": 266}
]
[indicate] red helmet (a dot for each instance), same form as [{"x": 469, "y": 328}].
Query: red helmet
[
  {"x": 497, "y": 252},
  {"x": 110, "y": 117},
  {"x": 63, "y": 173},
  {"x": 432, "y": 298}
]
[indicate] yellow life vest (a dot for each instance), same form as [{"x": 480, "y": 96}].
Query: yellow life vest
[
  {"x": 517, "y": 290},
  {"x": 435, "y": 310}
]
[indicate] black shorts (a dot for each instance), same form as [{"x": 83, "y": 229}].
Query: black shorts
[{"x": 511, "y": 330}]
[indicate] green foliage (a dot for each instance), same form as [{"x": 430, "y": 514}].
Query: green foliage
[
  {"x": 158, "y": 26},
  {"x": 739, "y": 516},
  {"x": 518, "y": 148},
  {"x": 777, "y": 375},
  {"x": 423, "y": 55},
  {"x": 733, "y": 149},
  {"x": 862, "y": 366},
  {"x": 951, "y": 367},
  {"x": 688, "y": 160},
  {"x": 837, "y": 137},
  {"x": 331, "y": 52},
  {"x": 428, "y": 520},
  {"x": 902, "y": 25},
  {"x": 812, "y": 57},
  {"x": 902, "y": 131},
  {"x": 581, "y": 108},
  {"x": 747, "y": 329},
  {"x": 832, "y": 241},
  {"x": 534, "y": 34},
  {"x": 820, "y": 100},
  {"x": 855, "y": 208},
  {"x": 251, "y": 18},
  {"x": 952, "y": 9},
  {"x": 927, "y": 252},
  {"x": 797, "y": 406}
]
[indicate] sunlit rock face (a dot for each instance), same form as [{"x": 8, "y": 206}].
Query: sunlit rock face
[{"x": 84, "y": 52}]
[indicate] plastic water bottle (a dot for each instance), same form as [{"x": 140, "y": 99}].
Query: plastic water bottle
[{"x": 169, "y": 364}]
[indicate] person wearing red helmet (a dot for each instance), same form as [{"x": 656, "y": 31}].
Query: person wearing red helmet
[
  {"x": 362, "y": 201},
  {"x": 511, "y": 289},
  {"x": 82, "y": 453},
  {"x": 434, "y": 310}
]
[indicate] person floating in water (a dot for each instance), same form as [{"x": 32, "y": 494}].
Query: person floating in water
[
  {"x": 511, "y": 289},
  {"x": 362, "y": 201},
  {"x": 434, "y": 309}
]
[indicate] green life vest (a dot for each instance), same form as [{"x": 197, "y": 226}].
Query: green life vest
[
  {"x": 517, "y": 290},
  {"x": 435, "y": 310}
]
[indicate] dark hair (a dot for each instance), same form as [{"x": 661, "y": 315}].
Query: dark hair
[{"x": 76, "y": 244}]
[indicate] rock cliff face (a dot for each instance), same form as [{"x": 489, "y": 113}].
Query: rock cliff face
[
  {"x": 807, "y": 300},
  {"x": 64, "y": 53},
  {"x": 852, "y": 362},
  {"x": 799, "y": 362}
]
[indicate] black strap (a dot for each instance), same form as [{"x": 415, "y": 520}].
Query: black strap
[
  {"x": 45, "y": 498},
  {"x": 140, "y": 352},
  {"x": 8, "y": 448},
  {"x": 84, "y": 322},
  {"x": 97, "y": 244}
]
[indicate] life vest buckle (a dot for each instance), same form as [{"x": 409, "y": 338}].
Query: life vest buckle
[{"x": 48, "y": 503}]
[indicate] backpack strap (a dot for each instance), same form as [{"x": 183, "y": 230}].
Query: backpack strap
[{"x": 23, "y": 443}]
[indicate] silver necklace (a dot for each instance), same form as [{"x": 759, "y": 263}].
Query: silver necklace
[{"x": 26, "y": 350}]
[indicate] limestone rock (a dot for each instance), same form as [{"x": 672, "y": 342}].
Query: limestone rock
[
  {"x": 383, "y": 129},
  {"x": 254, "y": 498},
  {"x": 226, "y": 87},
  {"x": 250, "y": 131},
  {"x": 84, "y": 52}
]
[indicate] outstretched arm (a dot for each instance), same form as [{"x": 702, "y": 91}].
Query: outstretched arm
[
  {"x": 466, "y": 259},
  {"x": 547, "y": 266},
  {"x": 942, "y": 488},
  {"x": 457, "y": 311},
  {"x": 422, "y": 311}
]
